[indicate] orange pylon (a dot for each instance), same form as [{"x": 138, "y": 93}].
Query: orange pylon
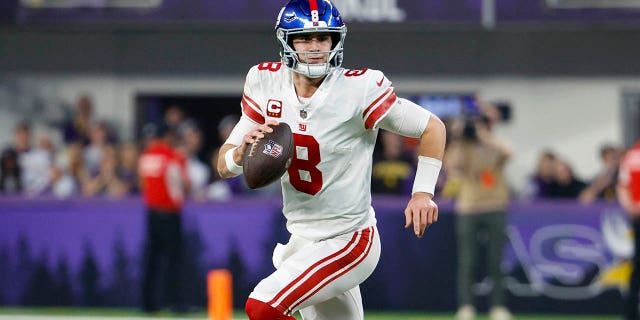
[{"x": 220, "y": 291}]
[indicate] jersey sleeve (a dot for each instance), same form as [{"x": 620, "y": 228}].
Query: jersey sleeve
[
  {"x": 251, "y": 96},
  {"x": 407, "y": 119},
  {"x": 379, "y": 99}
]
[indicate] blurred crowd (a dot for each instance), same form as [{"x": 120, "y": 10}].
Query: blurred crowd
[
  {"x": 91, "y": 160},
  {"x": 552, "y": 178}
]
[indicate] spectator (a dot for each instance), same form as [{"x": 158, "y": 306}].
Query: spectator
[
  {"x": 603, "y": 185},
  {"x": 78, "y": 128},
  {"x": 147, "y": 135},
  {"x": 190, "y": 146},
  {"x": 34, "y": 163},
  {"x": 540, "y": 184},
  {"x": 106, "y": 181},
  {"x": 69, "y": 174},
  {"x": 393, "y": 169},
  {"x": 127, "y": 168},
  {"x": 164, "y": 183},
  {"x": 225, "y": 126},
  {"x": 45, "y": 143},
  {"x": 71, "y": 162},
  {"x": 10, "y": 173},
  {"x": 481, "y": 213},
  {"x": 99, "y": 140},
  {"x": 566, "y": 185},
  {"x": 62, "y": 183},
  {"x": 174, "y": 117}
]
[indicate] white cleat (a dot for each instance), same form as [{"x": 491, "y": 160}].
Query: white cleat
[
  {"x": 500, "y": 313},
  {"x": 466, "y": 312}
]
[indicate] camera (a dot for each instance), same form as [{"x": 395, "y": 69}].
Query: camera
[{"x": 469, "y": 132}]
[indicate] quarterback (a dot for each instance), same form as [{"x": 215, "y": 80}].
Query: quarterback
[{"x": 335, "y": 114}]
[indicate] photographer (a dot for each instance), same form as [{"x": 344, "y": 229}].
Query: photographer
[{"x": 481, "y": 209}]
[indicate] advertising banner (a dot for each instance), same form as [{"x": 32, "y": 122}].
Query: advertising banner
[{"x": 561, "y": 257}]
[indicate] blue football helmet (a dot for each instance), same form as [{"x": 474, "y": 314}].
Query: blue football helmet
[{"x": 309, "y": 16}]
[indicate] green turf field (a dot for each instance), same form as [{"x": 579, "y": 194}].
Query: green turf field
[{"x": 98, "y": 313}]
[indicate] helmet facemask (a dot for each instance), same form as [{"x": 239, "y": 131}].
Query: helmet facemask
[{"x": 291, "y": 57}]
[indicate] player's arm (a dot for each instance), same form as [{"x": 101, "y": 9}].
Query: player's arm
[
  {"x": 408, "y": 119},
  {"x": 250, "y": 126},
  {"x": 231, "y": 152}
]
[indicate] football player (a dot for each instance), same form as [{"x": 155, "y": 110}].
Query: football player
[
  {"x": 629, "y": 197},
  {"x": 335, "y": 114}
]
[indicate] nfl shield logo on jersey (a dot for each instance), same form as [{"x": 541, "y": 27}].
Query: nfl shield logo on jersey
[{"x": 272, "y": 149}]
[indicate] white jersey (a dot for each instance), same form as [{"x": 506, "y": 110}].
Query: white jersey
[{"x": 326, "y": 190}]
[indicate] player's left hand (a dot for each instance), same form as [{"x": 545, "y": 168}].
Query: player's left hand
[{"x": 421, "y": 212}]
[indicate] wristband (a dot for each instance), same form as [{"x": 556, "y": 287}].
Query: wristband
[
  {"x": 232, "y": 166},
  {"x": 426, "y": 175}
]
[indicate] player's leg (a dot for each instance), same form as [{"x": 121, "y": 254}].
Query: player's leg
[
  {"x": 314, "y": 272},
  {"x": 466, "y": 233},
  {"x": 174, "y": 252},
  {"x": 496, "y": 224},
  {"x": 346, "y": 306},
  {"x": 151, "y": 263},
  {"x": 631, "y": 303}
]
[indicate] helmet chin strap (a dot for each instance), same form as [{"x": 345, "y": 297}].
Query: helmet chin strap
[{"x": 312, "y": 70}]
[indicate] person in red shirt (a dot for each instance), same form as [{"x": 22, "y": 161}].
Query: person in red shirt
[
  {"x": 164, "y": 183},
  {"x": 629, "y": 196}
]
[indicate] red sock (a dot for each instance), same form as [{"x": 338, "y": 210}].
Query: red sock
[{"x": 258, "y": 310}]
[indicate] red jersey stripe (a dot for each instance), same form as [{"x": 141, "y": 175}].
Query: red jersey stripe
[
  {"x": 251, "y": 112},
  {"x": 253, "y": 103},
  {"x": 364, "y": 114},
  {"x": 380, "y": 111},
  {"x": 361, "y": 258},
  {"x": 301, "y": 292},
  {"x": 299, "y": 278}
]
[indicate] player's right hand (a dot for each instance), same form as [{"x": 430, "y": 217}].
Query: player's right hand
[
  {"x": 256, "y": 133},
  {"x": 421, "y": 212}
]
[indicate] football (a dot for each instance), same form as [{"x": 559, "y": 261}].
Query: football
[{"x": 268, "y": 158}]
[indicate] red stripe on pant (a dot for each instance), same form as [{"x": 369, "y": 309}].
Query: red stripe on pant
[
  {"x": 370, "y": 244},
  {"x": 299, "y": 278},
  {"x": 328, "y": 271}
]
